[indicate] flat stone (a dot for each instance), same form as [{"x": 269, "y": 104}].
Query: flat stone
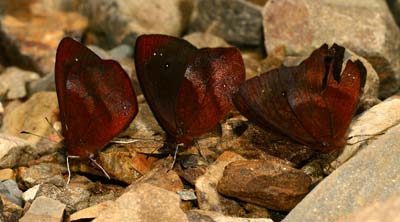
[
  {"x": 31, "y": 116},
  {"x": 208, "y": 197},
  {"x": 44, "y": 209},
  {"x": 30, "y": 194},
  {"x": 204, "y": 39},
  {"x": 144, "y": 202},
  {"x": 347, "y": 23},
  {"x": 236, "y": 21},
  {"x": 90, "y": 212},
  {"x": 15, "y": 80},
  {"x": 266, "y": 183},
  {"x": 366, "y": 128},
  {"x": 371, "y": 175}
]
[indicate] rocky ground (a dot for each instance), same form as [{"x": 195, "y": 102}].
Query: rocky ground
[{"x": 245, "y": 176}]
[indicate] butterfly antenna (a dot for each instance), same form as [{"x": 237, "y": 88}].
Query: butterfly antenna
[
  {"x": 43, "y": 137},
  {"x": 134, "y": 140},
  {"x": 52, "y": 127},
  {"x": 373, "y": 135},
  {"x": 99, "y": 166}
]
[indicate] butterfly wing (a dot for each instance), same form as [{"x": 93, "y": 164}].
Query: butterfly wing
[
  {"x": 96, "y": 98},
  {"x": 160, "y": 66},
  {"x": 212, "y": 76}
]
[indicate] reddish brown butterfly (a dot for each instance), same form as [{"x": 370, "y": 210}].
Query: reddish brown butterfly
[
  {"x": 312, "y": 103},
  {"x": 188, "y": 89},
  {"x": 95, "y": 97}
]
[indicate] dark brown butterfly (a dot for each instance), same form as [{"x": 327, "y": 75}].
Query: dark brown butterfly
[
  {"x": 189, "y": 90},
  {"x": 95, "y": 97},
  {"x": 312, "y": 103}
]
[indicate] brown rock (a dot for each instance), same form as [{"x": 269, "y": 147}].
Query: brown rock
[
  {"x": 31, "y": 116},
  {"x": 204, "y": 39},
  {"x": 206, "y": 187},
  {"x": 144, "y": 202},
  {"x": 90, "y": 212},
  {"x": 30, "y": 34},
  {"x": 266, "y": 183},
  {"x": 14, "y": 151},
  {"x": 7, "y": 174},
  {"x": 9, "y": 210},
  {"x": 312, "y": 23},
  {"x": 211, "y": 216}
]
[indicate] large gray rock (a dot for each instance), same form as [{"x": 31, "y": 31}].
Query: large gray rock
[
  {"x": 366, "y": 27},
  {"x": 371, "y": 175},
  {"x": 236, "y": 21},
  {"x": 44, "y": 209}
]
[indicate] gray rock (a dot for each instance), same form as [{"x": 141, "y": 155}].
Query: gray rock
[
  {"x": 9, "y": 188},
  {"x": 236, "y": 21},
  {"x": 371, "y": 175},
  {"x": 50, "y": 173},
  {"x": 45, "y": 83},
  {"x": 44, "y": 209},
  {"x": 144, "y": 202},
  {"x": 14, "y": 80},
  {"x": 365, "y": 27},
  {"x": 122, "y": 21}
]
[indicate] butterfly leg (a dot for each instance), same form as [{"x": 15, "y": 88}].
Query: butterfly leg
[
  {"x": 91, "y": 158},
  {"x": 68, "y": 169}
]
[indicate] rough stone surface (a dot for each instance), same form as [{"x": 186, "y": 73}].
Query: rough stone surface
[
  {"x": 210, "y": 216},
  {"x": 9, "y": 211},
  {"x": 144, "y": 203},
  {"x": 163, "y": 177},
  {"x": 366, "y": 128},
  {"x": 9, "y": 188},
  {"x": 371, "y": 175},
  {"x": 204, "y": 39},
  {"x": 30, "y": 34},
  {"x": 90, "y": 212},
  {"x": 366, "y": 27},
  {"x": 206, "y": 187},
  {"x": 50, "y": 173},
  {"x": 122, "y": 21},
  {"x": 12, "y": 150},
  {"x": 30, "y": 194},
  {"x": 236, "y": 21},
  {"x": 267, "y": 183},
  {"x": 44, "y": 209},
  {"x": 15, "y": 80},
  {"x": 31, "y": 117}
]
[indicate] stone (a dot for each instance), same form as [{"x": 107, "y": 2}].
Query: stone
[
  {"x": 30, "y": 34},
  {"x": 347, "y": 23},
  {"x": 382, "y": 211},
  {"x": 270, "y": 184},
  {"x": 144, "y": 202},
  {"x": 204, "y": 39},
  {"x": 237, "y": 21},
  {"x": 210, "y": 216},
  {"x": 368, "y": 126},
  {"x": 30, "y": 194},
  {"x": 187, "y": 194},
  {"x": 13, "y": 151},
  {"x": 9, "y": 189},
  {"x": 46, "y": 83},
  {"x": 208, "y": 197},
  {"x": 394, "y": 6},
  {"x": 7, "y": 174},
  {"x": 90, "y": 212},
  {"x": 371, "y": 175},
  {"x": 124, "y": 164},
  {"x": 14, "y": 80},
  {"x": 9, "y": 211},
  {"x": 122, "y": 21},
  {"x": 50, "y": 173},
  {"x": 44, "y": 209},
  {"x": 31, "y": 116}
]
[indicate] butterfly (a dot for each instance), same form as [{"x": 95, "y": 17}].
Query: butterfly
[
  {"x": 189, "y": 90},
  {"x": 95, "y": 96},
  {"x": 312, "y": 103}
]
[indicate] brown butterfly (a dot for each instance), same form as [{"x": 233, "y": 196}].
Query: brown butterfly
[{"x": 312, "y": 103}]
